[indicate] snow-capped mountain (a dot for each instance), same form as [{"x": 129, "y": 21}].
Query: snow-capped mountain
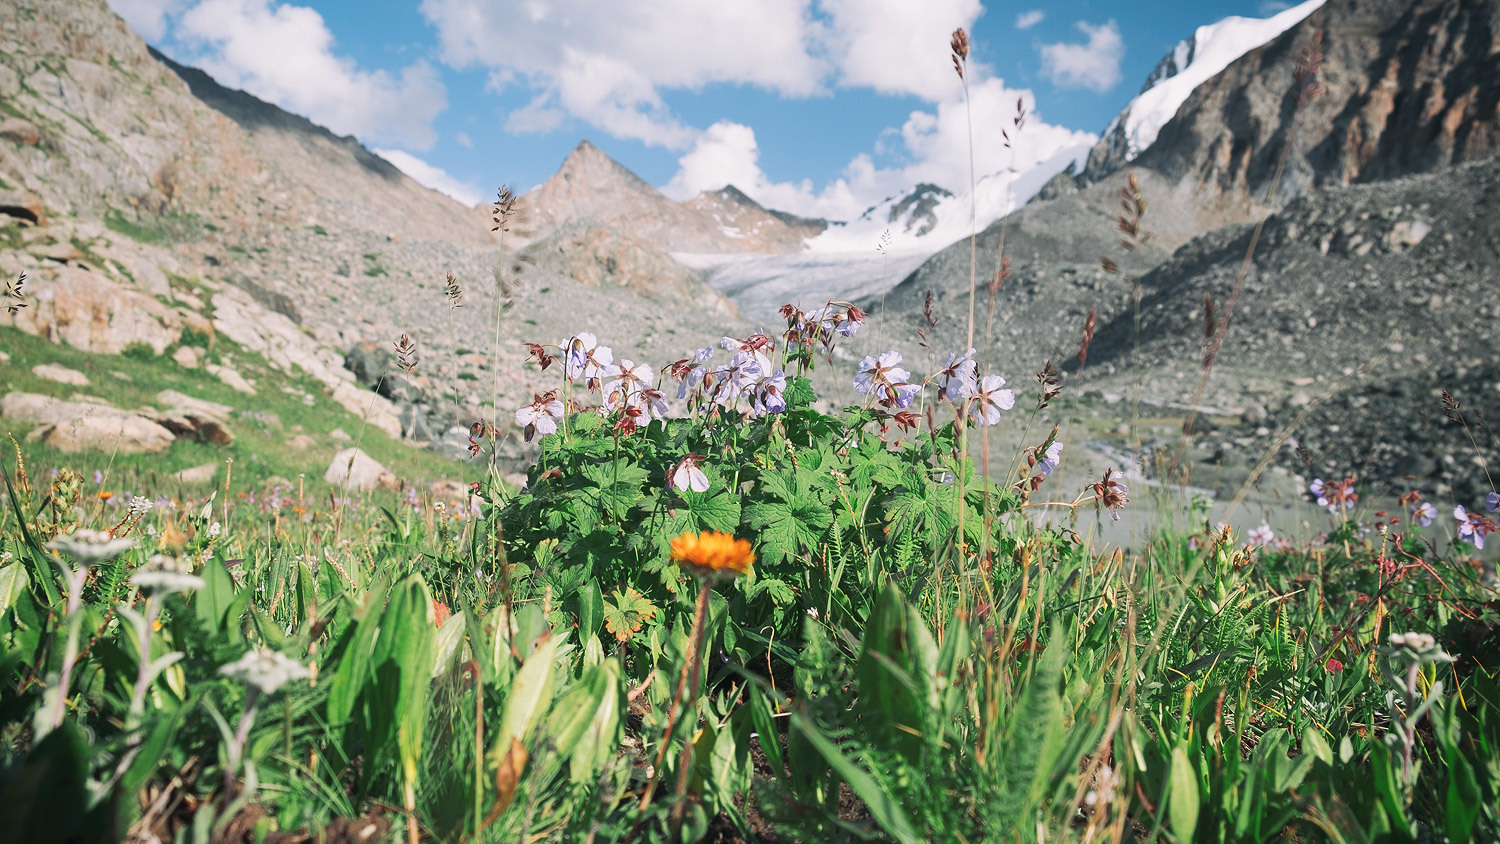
[
  {"x": 928, "y": 217},
  {"x": 925, "y": 218},
  {"x": 1192, "y": 62}
]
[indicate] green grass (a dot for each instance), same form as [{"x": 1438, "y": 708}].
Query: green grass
[
  {"x": 258, "y": 452},
  {"x": 160, "y": 230}
]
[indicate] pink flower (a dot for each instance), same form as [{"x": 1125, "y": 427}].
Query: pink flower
[
  {"x": 540, "y": 417},
  {"x": 990, "y": 399},
  {"x": 1261, "y": 536},
  {"x": 625, "y": 380},
  {"x": 687, "y": 475}
]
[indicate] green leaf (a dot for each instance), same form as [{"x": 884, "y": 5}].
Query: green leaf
[
  {"x": 1182, "y": 803},
  {"x": 883, "y": 807},
  {"x": 449, "y": 638},
  {"x": 529, "y": 694},
  {"x": 765, "y": 727},
  {"x": 781, "y": 594},
  {"x": 712, "y": 511},
  {"x": 1035, "y": 735},
  {"x": 891, "y": 683},
  {"x": 355, "y": 665},
  {"x": 590, "y": 610},
  {"x": 585, "y": 722},
  {"x": 213, "y": 600},
  {"x": 13, "y": 582}
]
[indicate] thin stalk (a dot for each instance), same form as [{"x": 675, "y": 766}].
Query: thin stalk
[
  {"x": 695, "y": 663},
  {"x": 699, "y": 612}
]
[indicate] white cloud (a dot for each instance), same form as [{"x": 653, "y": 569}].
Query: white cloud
[
  {"x": 1094, "y": 65},
  {"x": 1027, "y": 20},
  {"x": 935, "y": 143},
  {"x": 464, "y": 140},
  {"x": 606, "y": 62},
  {"x": 284, "y": 54},
  {"x": 1272, "y": 7},
  {"x": 897, "y": 46},
  {"x": 432, "y": 177},
  {"x": 147, "y": 17}
]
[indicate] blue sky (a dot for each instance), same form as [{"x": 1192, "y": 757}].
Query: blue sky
[{"x": 817, "y": 106}]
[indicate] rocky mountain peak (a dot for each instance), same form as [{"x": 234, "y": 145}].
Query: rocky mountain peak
[{"x": 591, "y": 187}]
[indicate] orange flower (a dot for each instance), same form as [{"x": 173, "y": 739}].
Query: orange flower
[{"x": 711, "y": 552}]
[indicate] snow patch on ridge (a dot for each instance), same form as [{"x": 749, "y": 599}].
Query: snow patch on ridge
[{"x": 1197, "y": 60}]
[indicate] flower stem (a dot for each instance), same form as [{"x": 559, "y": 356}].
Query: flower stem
[
  {"x": 695, "y": 662},
  {"x": 691, "y": 668},
  {"x": 241, "y": 734}
]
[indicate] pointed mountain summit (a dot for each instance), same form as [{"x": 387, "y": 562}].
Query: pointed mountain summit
[
  {"x": 590, "y": 187},
  {"x": 761, "y": 230}
]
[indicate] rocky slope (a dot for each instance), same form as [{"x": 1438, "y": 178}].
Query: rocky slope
[
  {"x": 149, "y": 205},
  {"x": 1409, "y": 87},
  {"x": 1383, "y": 247}
]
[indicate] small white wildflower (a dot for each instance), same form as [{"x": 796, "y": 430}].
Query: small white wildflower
[
  {"x": 214, "y": 530},
  {"x": 139, "y": 506},
  {"x": 6, "y": 556},
  {"x": 266, "y": 670},
  {"x": 91, "y": 547},
  {"x": 163, "y": 575}
]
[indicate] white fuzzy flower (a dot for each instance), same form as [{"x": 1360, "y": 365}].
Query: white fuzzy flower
[
  {"x": 163, "y": 575},
  {"x": 91, "y": 547},
  {"x": 265, "y": 669}
]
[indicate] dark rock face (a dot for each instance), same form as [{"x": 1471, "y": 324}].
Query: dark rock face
[
  {"x": 918, "y": 208},
  {"x": 1407, "y": 87}
]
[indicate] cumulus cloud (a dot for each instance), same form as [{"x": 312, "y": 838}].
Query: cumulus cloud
[
  {"x": 934, "y": 143},
  {"x": 432, "y": 177},
  {"x": 896, "y": 46},
  {"x": 1094, "y": 65},
  {"x": 285, "y": 54},
  {"x": 1027, "y": 20},
  {"x": 606, "y": 63},
  {"x": 147, "y": 17}
]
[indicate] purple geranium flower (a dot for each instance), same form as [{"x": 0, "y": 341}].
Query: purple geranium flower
[
  {"x": 1492, "y": 502},
  {"x": 1472, "y": 527},
  {"x": 876, "y": 371},
  {"x": 585, "y": 358},
  {"x": 1053, "y": 456},
  {"x": 990, "y": 399},
  {"x": 1424, "y": 513},
  {"x": 956, "y": 380}
]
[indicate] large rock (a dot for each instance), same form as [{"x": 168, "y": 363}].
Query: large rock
[
  {"x": 61, "y": 374},
  {"x": 89, "y": 311},
  {"x": 352, "y": 469},
  {"x": 75, "y": 426},
  {"x": 203, "y": 407},
  {"x": 192, "y": 424}
]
